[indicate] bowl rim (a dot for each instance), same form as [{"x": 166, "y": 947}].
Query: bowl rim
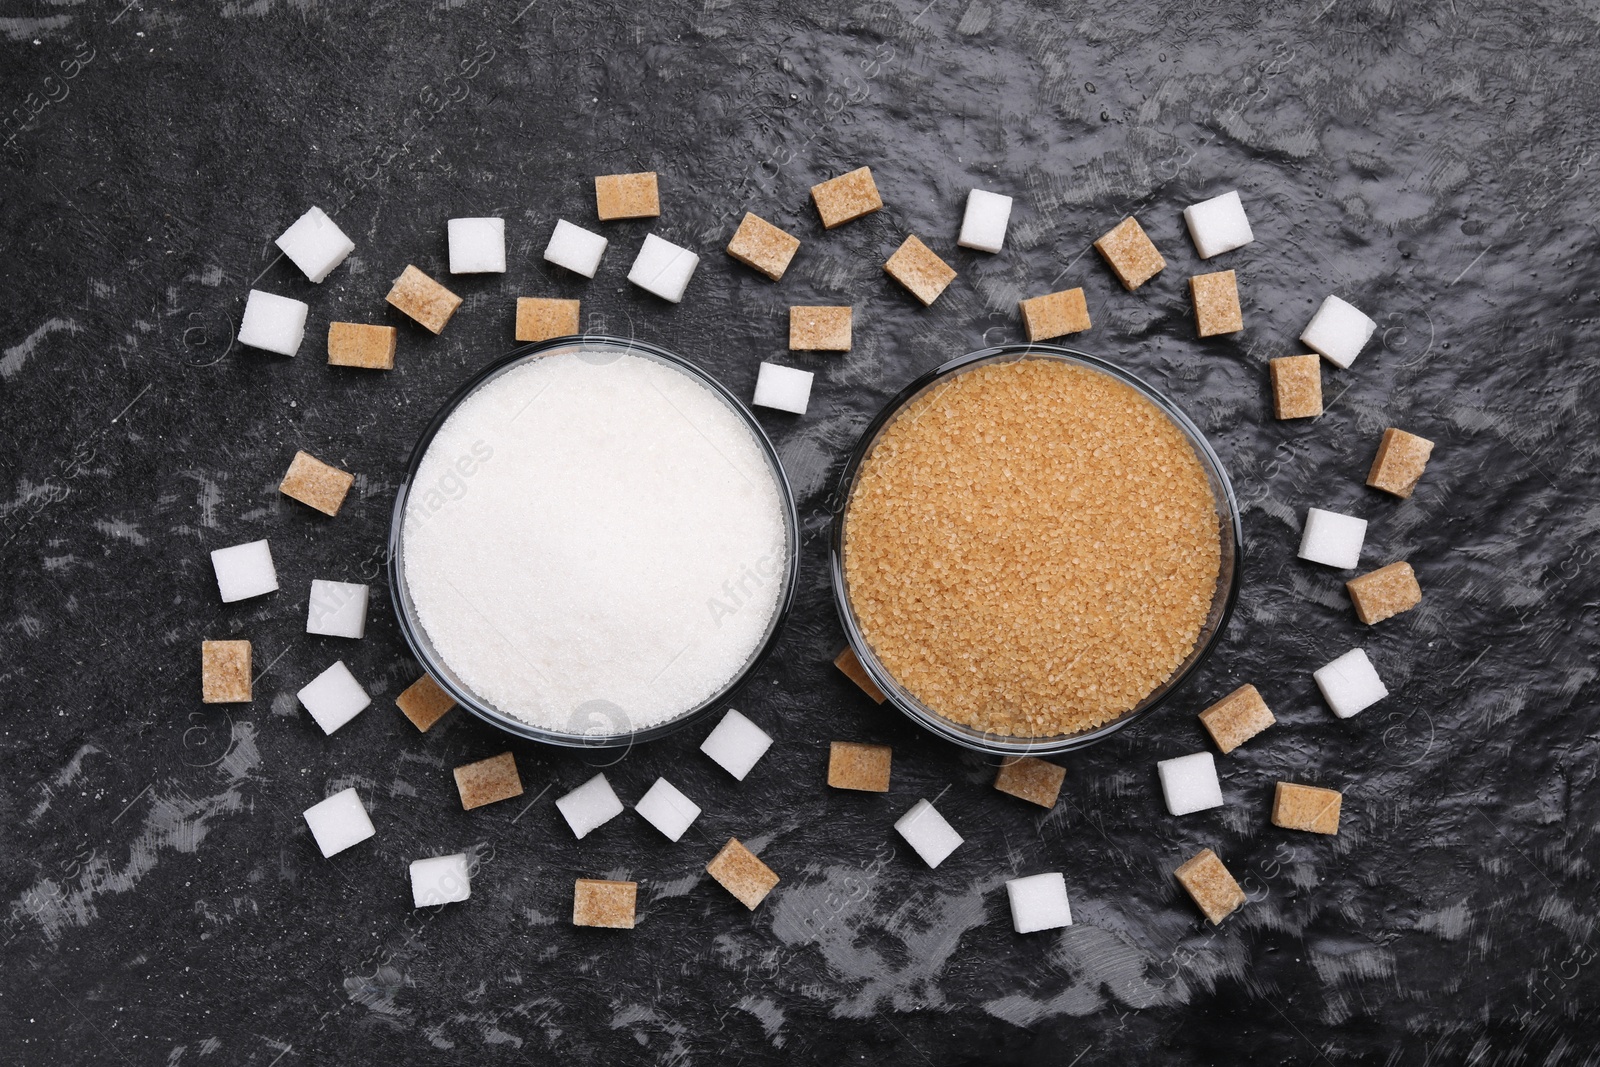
[
  {"x": 1230, "y": 528},
  {"x": 415, "y": 634}
]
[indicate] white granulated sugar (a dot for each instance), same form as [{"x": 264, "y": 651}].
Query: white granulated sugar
[{"x": 594, "y": 536}]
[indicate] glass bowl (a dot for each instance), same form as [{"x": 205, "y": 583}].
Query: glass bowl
[
  {"x": 607, "y": 725},
  {"x": 1230, "y": 537}
]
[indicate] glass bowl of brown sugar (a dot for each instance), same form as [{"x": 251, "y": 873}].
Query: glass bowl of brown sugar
[{"x": 1032, "y": 548}]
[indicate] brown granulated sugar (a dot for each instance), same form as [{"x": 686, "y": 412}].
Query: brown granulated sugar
[{"x": 1031, "y": 548}]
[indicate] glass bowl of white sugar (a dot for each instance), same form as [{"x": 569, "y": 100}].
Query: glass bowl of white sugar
[{"x": 594, "y": 545}]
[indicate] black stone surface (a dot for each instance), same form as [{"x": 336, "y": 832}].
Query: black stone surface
[{"x": 1432, "y": 162}]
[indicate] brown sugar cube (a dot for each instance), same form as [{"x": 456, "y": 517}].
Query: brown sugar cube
[
  {"x": 1296, "y": 386},
  {"x": 856, "y": 766},
  {"x": 540, "y": 318},
  {"x": 1055, "y": 314},
  {"x": 1306, "y": 807},
  {"x": 1236, "y": 718},
  {"x": 1385, "y": 592},
  {"x": 847, "y": 662},
  {"x": 423, "y": 299},
  {"x": 596, "y": 902},
  {"x": 819, "y": 329},
  {"x": 1128, "y": 252},
  {"x": 923, "y": 274},
  {"x": 423, "y": 702},
  {"x": 315, "y": 483},
  {"x": 488, "y": 780},
  {"x": 846, "y": 198},
  {"x": 225, "y": 672},
  {"x": 627, "y": 196},
  {"x": 353, "y": 344},
  {"x": 1210, "y": 886},
  {"x": 1216, "y": 303},
  {"x": 742, "y": 874},
  {"x": 1035, "y": 780},
  {"x": 759, "y": 244},
  {"x": 1400, "y": 462}
]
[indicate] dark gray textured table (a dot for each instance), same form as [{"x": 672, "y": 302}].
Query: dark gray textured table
[{"x": 165, "y": 904}]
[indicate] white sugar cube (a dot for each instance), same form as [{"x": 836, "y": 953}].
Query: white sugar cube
[
  {"x": 1039, "y": 902},
  {"x": 575, "y": 248},
  {"x": 590, "y": 806},
  {"x": 783, "y": 388},
  {"x": 273, "y": 323},
  {"x": 663, "y": 268},
  {"x": 477, "y": 246},
  {"x": 1189, "y": 783},
  {"x": 334, "y": 697},
  {"x": 667, "y": 809},
  {"x": 339, "y": 822},
  {"x": 1338, "y": 331},
  {"x": 926, "y": 831},
  {"x": 338, "y": 609},
  {"x": 1218, "y": 225},
  {"x": 440, "y": 880},
  {"x": 1332, "y": 538},
  {"x": 315, "y": 244},
  {"x": 1350, "y": 684},
  {"x": 244, "y": 571},
  {"x": 736, "y": 744},
  {"x": 984, "y": 225}
]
